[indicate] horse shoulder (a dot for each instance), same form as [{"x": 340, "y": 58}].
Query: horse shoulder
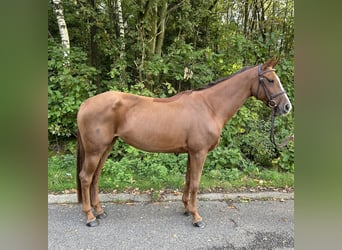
[
  {"x": 120, "y": 100},
  {"x": 116, "y": 101},
  {"x": 204, "y": 126}
]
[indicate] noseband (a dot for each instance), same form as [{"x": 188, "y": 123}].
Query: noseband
[{"x": 270, "y": 102}]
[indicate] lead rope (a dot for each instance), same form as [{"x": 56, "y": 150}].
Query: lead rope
[
  {"x": 272, "y": 104},
  {"x": 272, "y": 138}
]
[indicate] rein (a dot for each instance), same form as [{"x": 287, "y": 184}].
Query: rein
[
  {"x": 272, "y": 104},
  {"x": 272, "y": 138}
]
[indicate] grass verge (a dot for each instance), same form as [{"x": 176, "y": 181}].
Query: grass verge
[{"x": 123, "y": 176}]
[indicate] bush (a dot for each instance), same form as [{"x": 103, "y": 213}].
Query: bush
[
  {"x": 244, "y": 144},
  {"x": 156, "y": 166},
  {"x": 64, "y": 162},
  {"x": 61, "y": 172},
  {"x": 117, "y": 173},
  {"x": 285, "y": 162},
  {"x": 70, "y": 82}
]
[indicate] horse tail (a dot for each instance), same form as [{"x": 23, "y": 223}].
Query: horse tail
[{"x": 80, "y": 160}]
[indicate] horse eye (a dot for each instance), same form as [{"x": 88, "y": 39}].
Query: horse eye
[{"x": 271, "y": 80}]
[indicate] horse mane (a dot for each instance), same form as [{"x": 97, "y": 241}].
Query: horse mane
[
  {"x": 188, "y": 92},
  {"x": 173, "y": 98},
  {"x": 223, "y": 79}
]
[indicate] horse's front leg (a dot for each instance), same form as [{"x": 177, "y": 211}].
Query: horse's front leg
[
  {"x": 186, "y": 192},
  {"x": 196, "y": 165}
]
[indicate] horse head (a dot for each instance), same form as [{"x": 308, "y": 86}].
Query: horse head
[{"x": 272, "y": 93}]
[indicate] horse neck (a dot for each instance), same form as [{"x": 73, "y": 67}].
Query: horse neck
[{"x": 228, "y": 96}]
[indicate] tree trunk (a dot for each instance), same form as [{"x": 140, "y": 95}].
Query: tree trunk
[
  {"x": 245, "y": 23},
  {"x": 122, "y": 61},
  {"x": 58, "y": 9},
  {"x": 154, "y": 30},
  {"x": 161, "y": 32},
  {"x": 93, "y": 47},
  {"x": 121, "y": 28},
  {"x": 262, "y": 20},
  {"x": 141, "y": 29}
]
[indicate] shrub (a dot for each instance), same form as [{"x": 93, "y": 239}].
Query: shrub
[
  {"x": 117, "y": 173},
  {"x": 70, "y": 82}
]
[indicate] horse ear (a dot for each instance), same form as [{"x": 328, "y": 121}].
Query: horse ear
[
  {"x": 276, "y": 61},
  {"x": 272, "y": 62}
]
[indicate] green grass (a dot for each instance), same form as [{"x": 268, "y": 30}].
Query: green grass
[
  {"x": 265, "y": 179},
  {"x": 61, "y": 173},
  {"x": 131, "y": 175}
]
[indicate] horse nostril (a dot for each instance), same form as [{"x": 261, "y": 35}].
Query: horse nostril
[{"x": 287, "y": 107}]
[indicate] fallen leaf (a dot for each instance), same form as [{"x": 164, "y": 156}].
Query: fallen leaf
[
  {"x": 231, "y": 206},
  {"x": 245, "y": 199}
]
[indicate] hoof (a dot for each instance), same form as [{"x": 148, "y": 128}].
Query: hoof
[
  {"x": 199, "y": 224},
  {"x": 93, "y": 223},
  {"x": 101, "y": 215}
]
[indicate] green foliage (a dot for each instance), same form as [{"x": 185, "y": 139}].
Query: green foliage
[
  {"x": 139, "y": 165},
  {"x": 69, "y": 84},
  {"x": 146, "y": 171},
  {"x": 157, "y": 167},
  {"x": 245, "y": 142},
  {"x": 206, "y": 39},
  {"x": 117, "y": 174},
  {"x": 65, "y": 162},
  {"x": 285, "y": 161},
  {"x": 61, "y": 172}
]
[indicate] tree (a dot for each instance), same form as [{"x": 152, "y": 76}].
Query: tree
[
  {"x": 152, "y": 42},
  {"x": 121, "y": 28},
  {"x": 158, "y": 48},
  {"x": 63, "y": 30}
]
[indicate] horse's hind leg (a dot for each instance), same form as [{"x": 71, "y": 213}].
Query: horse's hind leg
[
  {"x": 94, "y": 189},
  {"x": 90, "y": 164}
]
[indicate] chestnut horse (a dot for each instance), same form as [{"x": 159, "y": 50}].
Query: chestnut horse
[{"x": 189, "y": 122}]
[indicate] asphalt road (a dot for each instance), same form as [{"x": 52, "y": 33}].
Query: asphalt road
[{"x": 161, "y": 225}]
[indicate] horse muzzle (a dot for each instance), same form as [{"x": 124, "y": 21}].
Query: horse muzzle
[{"x": 284, "y": 109}]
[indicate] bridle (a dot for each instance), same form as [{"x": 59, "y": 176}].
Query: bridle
[
  {"x": 272, "y": 104},
  {"x": 270, "y": 98}
]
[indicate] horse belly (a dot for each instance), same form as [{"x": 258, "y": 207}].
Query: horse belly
[
  {"x": 155, "y": 143},
  {"x": 155, "y": 134}
]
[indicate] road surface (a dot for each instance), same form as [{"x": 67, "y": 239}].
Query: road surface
[{"x": 248, "y": 224}]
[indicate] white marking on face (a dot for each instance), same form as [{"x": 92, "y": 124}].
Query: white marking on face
[{"x": 282, "y": 88}]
